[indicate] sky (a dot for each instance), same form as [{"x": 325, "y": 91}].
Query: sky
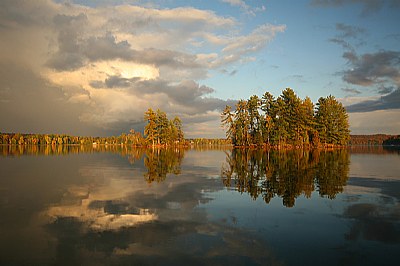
[{"x": 94, "y": 67}]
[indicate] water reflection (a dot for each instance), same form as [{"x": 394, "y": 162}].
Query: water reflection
[
  {"x": 122, "y": 216},
  {"x": 286, "y": 174},
  {"x": 160, "y": 162},
  {"x": 120, "y": 206}
]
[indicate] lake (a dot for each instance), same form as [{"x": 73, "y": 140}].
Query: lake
[{"x": 69, "y": 205}]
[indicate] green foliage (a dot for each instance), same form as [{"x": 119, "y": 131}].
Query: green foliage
[
  {"x": 286, "y": 121},
  {"x": 332, "y": 121},
  {"x": 161, "y": 131}
]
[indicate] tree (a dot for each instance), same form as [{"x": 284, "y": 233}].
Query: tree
[
  {"x": 242, "y": 123},
  {"x": 308, "y": 120},
  {"x": 227, "y": 122},
  {"x": 150, "y": 130},
  {"x": 332, "y": 121},
  {"x": 255, "y": 134},
  {"x": 268, "y": 107},
  {"x": 177, "y": 123},
  {"x": 290, "y": 115},
  {"x": 163, "y": 127}
]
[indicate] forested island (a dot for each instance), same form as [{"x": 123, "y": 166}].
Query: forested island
[{"x": 286, "y": 121}]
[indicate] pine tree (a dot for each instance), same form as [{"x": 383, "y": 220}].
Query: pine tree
[
  {"x": 332, "y": 121},
  {"x": 150, "y": 130}
]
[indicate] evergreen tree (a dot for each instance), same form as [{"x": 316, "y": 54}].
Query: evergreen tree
[
  {"x": 177, "y": 123},
  {"x": 332, "y": 121},
  {"x": 253, "y": 106},
  {"x": 242, "y": 123},
  {"x": 150, "y": 130},
  {"x": 227, "y": 122}
]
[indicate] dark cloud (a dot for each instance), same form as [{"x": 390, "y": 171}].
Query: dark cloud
[
  {"x": 390, "y": 101},
  {"x": 187, "y": 94},
  {"x": 233, "y": 72},
  {"x": 348, "y": 31},
  {"x": 350, "y": 56},
  {"x": 116, "y": 81},
  {"x": 186, "y": 98},
  {"x": 368, "y": 6},
  {"x": 31, "y": 105},
  {"x": 346, "y": 45},
  {"x": 75, "y": 51},
  {"x": 371, "y": 69},
  {"x": 68, "y": 55},
  {"x": 351, "y": 91},
  {"x": 106, "y": 47},
  {"x": 385, "y": 90},
  {"x": 65, "y": 61}
]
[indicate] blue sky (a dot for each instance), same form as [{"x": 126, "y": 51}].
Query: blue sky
[{"x": 94, "y": 67}]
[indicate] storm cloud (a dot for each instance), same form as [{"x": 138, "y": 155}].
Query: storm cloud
[{"x": 98, "y": 68}]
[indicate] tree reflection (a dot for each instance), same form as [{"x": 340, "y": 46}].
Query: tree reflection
[
  {"x": 286, "y": 174},
  {"x": 160, "y": 162}
]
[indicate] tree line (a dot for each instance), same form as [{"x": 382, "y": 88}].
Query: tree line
[
  {"x": 286, "y": 121},
  {"x": 132, "y": 138},
  {"x": 376, "y": 139},
  {"x": 158, "y": 131}
]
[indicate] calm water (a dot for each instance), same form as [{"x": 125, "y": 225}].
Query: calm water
[{"x": 81, "y": 206}]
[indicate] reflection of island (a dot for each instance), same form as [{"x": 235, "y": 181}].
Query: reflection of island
[
  {"x": 160, "y": 162},
  {"x": 286, "y": 174}
]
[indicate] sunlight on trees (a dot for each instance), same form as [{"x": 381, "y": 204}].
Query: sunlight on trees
[{"x": 286, "y": 121}]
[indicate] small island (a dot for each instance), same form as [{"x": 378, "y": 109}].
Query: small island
[{"x": 287, "y": 121}]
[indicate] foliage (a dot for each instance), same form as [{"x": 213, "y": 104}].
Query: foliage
[
  {"x": 161, "y": 131},
  {"x": 377, "y": 139},
  {"x": 286, "y": 121},
  {"x": 393, "y": 141}
]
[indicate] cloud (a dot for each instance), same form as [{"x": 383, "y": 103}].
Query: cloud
[
  {"x": 389, "y": 101},
  {"x": 246, "y": 8},
  {"x": 107, "y": 64},
  {"x": 374, "y": 68},
  {"x": 385, "y": 90},
  {"x": 379, "y": 71},
  {"x": 349, "y": 31},
  {"x": 240, "y": 47},
  {"x": 379, "y": 121},
  {"x": 32, "y": 105},
  {"x": 368, "y": 6},
  {"x": 345, "y": 34},
  {"x": 351, "y": 91}
]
